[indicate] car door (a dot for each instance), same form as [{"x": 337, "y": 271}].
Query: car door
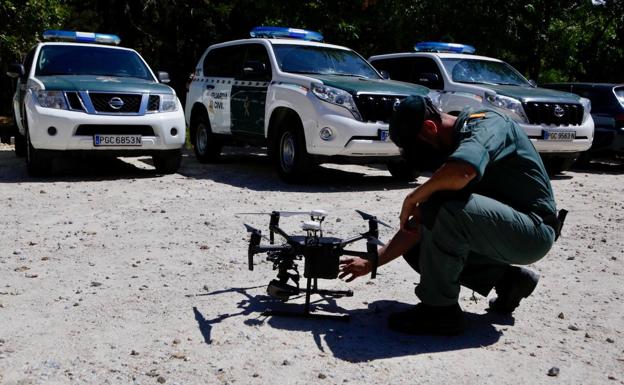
[
  {"x": 249, "y": 94},
  {"x": 21, "y": 89},
  {"x": 221, "y": 67}
]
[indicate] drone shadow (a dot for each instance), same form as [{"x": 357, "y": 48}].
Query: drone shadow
[
  {"x": 366, "y": 337},
  {"x": 251, "y": 168}
]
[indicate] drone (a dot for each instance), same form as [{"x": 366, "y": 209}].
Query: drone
[{"x": 321, "y": 257}]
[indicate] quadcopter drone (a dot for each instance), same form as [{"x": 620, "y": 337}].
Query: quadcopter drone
[{"x": 321, "y": 257}]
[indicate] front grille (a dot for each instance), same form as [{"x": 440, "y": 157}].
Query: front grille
[
  {"x": 74, "y": 101},
  {"x": 376, "y": 108},
  {"x": 153, "y": 103},
  {"x": 122, "y": 129},
  {"x": 544, "y": 113},
  {"x": 102, "y": 102}
]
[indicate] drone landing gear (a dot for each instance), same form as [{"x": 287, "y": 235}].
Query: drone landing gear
[{"x": 312, "y": 288}]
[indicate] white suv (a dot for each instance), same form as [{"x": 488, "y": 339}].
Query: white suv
[
  {"x": 73, "y": 96},
  {"x": 558, "y": 123},
  {"x": 307, "y": 101}
]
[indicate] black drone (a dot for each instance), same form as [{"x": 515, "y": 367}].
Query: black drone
[{"x": 321, "y": 254}]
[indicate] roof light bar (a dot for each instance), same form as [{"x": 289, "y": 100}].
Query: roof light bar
[
  {"x": 81, "y": 37},
  {"x": 436, "y": 46},
  {"x": 288, "y": 33}
]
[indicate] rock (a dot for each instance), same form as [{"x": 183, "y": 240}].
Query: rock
[
  {"x": 285, "y": 362},
  {"x": 176, "y": 341},
  {"x": 553, "y": 372},
  {"x": 322, "y": 376},
  {"x": 134, "y": 353},
  {"x": 42, "y": 192},
  {"x": 152, "y": 373},
  {"x": 161, "y": 379},
  {"x": 17, "y": 252},
  {"x": 96, "y": 284},
  {"x": 561, "y": 316},
  {"x": 570, "y": 258},
  {"x": 179, "y": 355},
  {"x": 610, "y": 340},
  {"x": 31, "y": 275},
  {"x": 338, "y": 219},
  {"x": 587, "y": 335},
  {"x": 206, "y": 288},
  {"x": 255, "y": 375},
  {"x": 45, "y": 258},
  {"x": 573, "y": 327}
]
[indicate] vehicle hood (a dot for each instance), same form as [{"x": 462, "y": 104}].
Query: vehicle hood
[
  {"x": 530, "y": 94},
  {"x": 102, "y": 83},
  {"x": 355, "y": 85}
]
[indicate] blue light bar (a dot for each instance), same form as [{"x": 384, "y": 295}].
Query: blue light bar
[
  {"x": 81, "y": 37},
  {"x": 436, "y": 46},
  {"x": 283, "y": 32}
]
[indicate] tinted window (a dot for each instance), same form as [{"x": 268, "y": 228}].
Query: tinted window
[
  {"x": 398, "y": 68},
  {"x": 322, "y": 61},
  {"x": 483, "y": 72},
  {"x": 419, "y": 70},
  {"x": 226, "y": 62},
  {"x": 257, "y": 58},
  {"x": 29, "y": 61},
  {"x": 86, "y": 60}
]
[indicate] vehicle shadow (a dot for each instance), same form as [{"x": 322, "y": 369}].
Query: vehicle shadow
[
  {"x": 366, "y": 337},
  {"x": 77, "y": 168},
  {"x": 251, "y": 168},
  {"x": 602, "y": 166}
]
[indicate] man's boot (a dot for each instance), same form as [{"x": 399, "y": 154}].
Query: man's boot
[
  {"x": 426, "y": 319},
  {"x": 517, "y": 283}
]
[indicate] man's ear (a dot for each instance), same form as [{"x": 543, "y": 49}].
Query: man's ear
[{"x": 430, "y": 127}]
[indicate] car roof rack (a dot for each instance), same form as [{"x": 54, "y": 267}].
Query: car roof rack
[
  {"x": 437, "y": 46},
  {"x": 81, "y": 37},
  {"x": 285, "y": 33}
]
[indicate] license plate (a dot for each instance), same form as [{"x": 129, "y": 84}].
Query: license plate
[
  {"x": 384, "y": 135},
  {"x": 116, "y": 140},
  {"x": 559, "y": 135}
]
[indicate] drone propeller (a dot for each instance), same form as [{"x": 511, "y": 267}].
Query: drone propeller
[
  {"x": 369, "y": 217},
  {"x": 255, "y": 231},
  {"x": 315, "y": 213}
]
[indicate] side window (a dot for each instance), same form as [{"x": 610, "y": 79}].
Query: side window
[
  {"x": 257, "y": 65},
  {"x": 226, "y": 62},
  {"x": 398, "y": 68},
  {"x": 29, "y": 61},
  {"x": 427, "y": 73}
]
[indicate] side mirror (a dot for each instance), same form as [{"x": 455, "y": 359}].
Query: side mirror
[
  {"x": 385, "y": 74},
  {"x": 427, "y": 78},
  {"x": 254, "y": 68},
  {"x": 16, "y": 71},
  {"x": 532, "y": 83},
  {"x": 163, "y": 77}
]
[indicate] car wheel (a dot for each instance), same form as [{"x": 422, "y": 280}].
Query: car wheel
[
  {"x": 168, "y": 162},
  {"x": 403, "y": 171},
  {"x": 207, "y": 146},
  {"x": 20, "y": 145},
  {"x": 290, "y": 155},
  {"x": 37, "y": 163}
]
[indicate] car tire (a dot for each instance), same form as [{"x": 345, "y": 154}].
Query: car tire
[
  {"x": 20, "y": 145},
  {"x": 38, "y": 164},
  {"x": 289, "y": 153},
  {"x": 403, "y": 171},
  {"x": 167, "y": 163},
  {"x": 206, "y": 145}
]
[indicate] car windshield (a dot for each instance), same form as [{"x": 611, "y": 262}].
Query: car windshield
[
  {"x": 89, "y": 60},
  {"x": 619, "y": 92},
  {"x": 483, "y": 72},
  {"x": 322, "y": 61}
]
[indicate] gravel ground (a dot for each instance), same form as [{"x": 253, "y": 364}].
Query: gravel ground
[{"x": 110, "y": 274}]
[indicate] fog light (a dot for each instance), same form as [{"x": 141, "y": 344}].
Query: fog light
[
  {"x": 326, "y": 133},
  {"x": 174, "y": 131},
  {"x": 51, "y": 131}
]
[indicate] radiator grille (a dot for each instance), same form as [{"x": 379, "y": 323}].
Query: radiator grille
[
  {"x": 560, "y": 114},
  {"x": 376, "y": 108},
  {"x": 105, "y": 102}
]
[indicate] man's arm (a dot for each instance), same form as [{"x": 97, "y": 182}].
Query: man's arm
[{"x": 452, "y": 176}]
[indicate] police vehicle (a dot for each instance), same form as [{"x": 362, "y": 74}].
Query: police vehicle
[
  {"x": 79, "y": 92},
  {"x": 308, "y": 102},
  {"x": 558, "y": 123}
]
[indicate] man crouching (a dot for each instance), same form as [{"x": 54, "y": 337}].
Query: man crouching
[{"x": 490, "y": 206}]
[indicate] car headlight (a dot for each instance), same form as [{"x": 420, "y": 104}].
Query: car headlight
[
  {"x": 51, "y": 99},
  {"x": 586, "y": 107},
  {"x": 168, "y": 103},
  {"x": 506, "y": 103},
  {"x": 336, "y": 96}
]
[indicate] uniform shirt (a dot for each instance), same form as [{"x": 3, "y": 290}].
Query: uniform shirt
[{"x": 509, "y": 169}]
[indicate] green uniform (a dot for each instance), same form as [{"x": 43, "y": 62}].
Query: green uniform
[{"x": 470, "y": 237}]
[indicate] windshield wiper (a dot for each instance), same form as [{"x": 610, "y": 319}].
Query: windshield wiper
[
  {"x": 481, "y": 82},
  {"x": 349, "y": 75},
  {"x": 302, "y": 72}
]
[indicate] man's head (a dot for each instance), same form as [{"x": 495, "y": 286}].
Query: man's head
[{"x": 417, "y": 128}]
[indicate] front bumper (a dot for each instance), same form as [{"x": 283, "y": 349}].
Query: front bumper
[
  {"x": 66, "y": 123},
  {"x": 584, "y": 137}
]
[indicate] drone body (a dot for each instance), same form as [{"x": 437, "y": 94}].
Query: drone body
[{"x": 321, "y": 257}]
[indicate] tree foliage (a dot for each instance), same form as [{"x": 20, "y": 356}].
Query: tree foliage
[{"x": 547, "y": 40}]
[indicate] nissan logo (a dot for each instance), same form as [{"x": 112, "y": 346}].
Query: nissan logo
[
  {"x": 559, "y": 112},
  {"x": 116, "y": 103}
]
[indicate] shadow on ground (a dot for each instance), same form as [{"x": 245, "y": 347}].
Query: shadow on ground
[{"x": 366, "y": 337}]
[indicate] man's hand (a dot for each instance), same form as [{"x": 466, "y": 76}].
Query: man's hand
[
  {"x": 351, "y": 268},
  {"x": 410, "y": 215}
]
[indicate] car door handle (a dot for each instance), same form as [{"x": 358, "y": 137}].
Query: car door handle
[{"x": 210, "y": 86}]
